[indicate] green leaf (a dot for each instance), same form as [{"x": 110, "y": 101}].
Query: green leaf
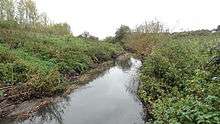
[{"x": 1, "y": 93}]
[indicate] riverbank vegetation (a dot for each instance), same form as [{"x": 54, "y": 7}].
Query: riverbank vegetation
[
  {"x": 39, "y": 58},
  {"x": 180, "y": 80},
  {"x": 180, "y": 74}
]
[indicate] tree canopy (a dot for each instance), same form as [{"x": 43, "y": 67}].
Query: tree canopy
[
  {"x": 218, "y": 28},
  {"x": 122, "y": 32}
]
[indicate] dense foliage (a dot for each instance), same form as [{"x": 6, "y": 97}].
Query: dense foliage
[
  {"x": 39, "y": 58},
  {"x": 142, "y": 43},
  {"x": 46, "y": 62},
  {"x": 140, "y": 40},
  {"x": 180, "y": 79}
]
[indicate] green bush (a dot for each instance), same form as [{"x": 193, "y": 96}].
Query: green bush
[
  {"x": 177, "y": 81},
  {"x": 186, "y": 110},
  {"x": 45, "y": 61},
  {"x": 8, "y": 24},
  {"x": 47, "y": 84}
]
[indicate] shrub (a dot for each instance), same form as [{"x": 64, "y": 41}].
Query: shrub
[
  {"x": 44, "y": 62},
  {"x": 186, "y": 110},
  {"x": 8, "y": 24},
  {"x": 177, "y": 82},
  {"x": 48, "y": 84}
]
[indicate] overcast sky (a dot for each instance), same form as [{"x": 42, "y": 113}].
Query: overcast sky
[{"x": 102, "y": 17}]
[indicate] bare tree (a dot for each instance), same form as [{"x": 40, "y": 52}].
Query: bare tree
[
  {"x": 44, "y": 20},
  {"x": 2, "y": 9},
  {"x": 10, "y": 9},
  {"x": 21, "y": 11},
  {"x": 151, "y": 27},
  {"x": 31, "y": 12}
]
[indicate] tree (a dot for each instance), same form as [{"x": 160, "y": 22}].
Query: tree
[
  {"x": 93, "y": 38},
  {"x": 31, "y": 12},
  {"x": 151, "y": 27},
  {"x": 122, "y": 32},
  {"x": 7, "y": 10},
  {"x": 10, "y": 9},
  {"x": 85, "y": 34},
  {"x": 21, "y": 11},
  {"x": 109, "y": 39},
  {"x": 2, "y": 9},
  {"x": 60, "y": 29},
  {"x": 218, "y": 28},
  {"x": 44, "y": 20},
  {"x": 24, "y": 13},
  {"x": 88, "y": 36}
]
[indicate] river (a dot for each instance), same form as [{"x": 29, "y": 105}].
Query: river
[{"x": 108, "y": 99}]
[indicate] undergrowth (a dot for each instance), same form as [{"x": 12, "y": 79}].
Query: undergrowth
[
  {"x": 46, "y": 63},
  {"x": 181, "y": 82}
]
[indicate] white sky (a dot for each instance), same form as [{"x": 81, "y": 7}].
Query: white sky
[{"x": 102, "y": 17}]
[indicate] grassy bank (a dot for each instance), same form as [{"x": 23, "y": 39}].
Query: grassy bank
[
  {"x": 46, "y": 63},
  {"x": 180, "y": 79}
]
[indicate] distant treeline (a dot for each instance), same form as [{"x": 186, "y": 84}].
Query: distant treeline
[{"x": 24, "y": 14}]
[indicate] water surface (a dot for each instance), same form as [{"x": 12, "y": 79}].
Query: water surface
[{"x": 108, "y": 99}]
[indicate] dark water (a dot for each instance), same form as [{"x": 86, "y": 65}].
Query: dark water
[{"x": 109, "y": 99}]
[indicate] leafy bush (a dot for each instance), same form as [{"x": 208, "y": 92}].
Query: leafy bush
[
  {"x": 177, "y": 81},
  {"x": 8, "y": 24},
  {"x": 142, "y": 43},
  {"x": 44, "y": 61},
  {"x": 186, "y": 110},
  {"x": 48, "y": 84}
]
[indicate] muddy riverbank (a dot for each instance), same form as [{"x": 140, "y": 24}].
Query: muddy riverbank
[
  {"x": 25, "y": 109},
  {"x": 109, "y": 98}
]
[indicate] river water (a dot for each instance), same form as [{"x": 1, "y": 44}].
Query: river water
[{"x": 108, "y": 99}]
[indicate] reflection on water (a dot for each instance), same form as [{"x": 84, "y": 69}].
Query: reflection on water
[
  {"x": 124, "y": 64},
  {"x": 109, "y": 99},
  {"x": 51, "y": 113}
]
